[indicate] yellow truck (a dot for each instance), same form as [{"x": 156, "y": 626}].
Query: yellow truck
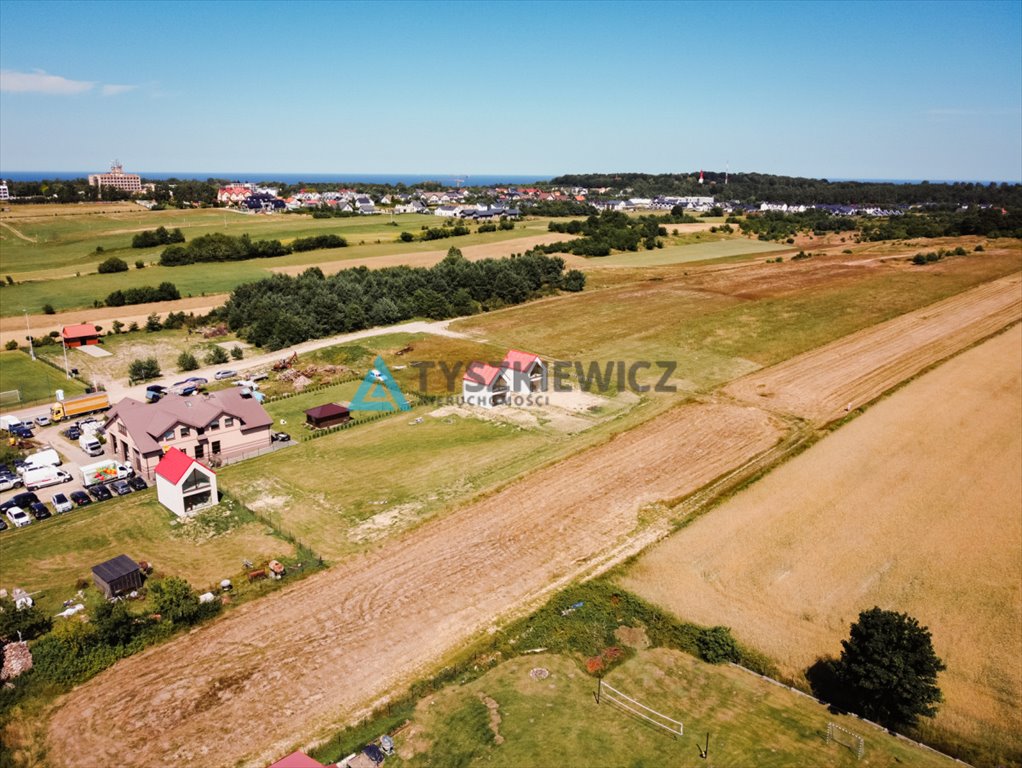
[{"x": 79, "y": 406}]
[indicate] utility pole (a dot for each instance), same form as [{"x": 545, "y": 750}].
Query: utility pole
[
  {"x": 63, "y": 343},
  {"x": 31, "y": 350}
]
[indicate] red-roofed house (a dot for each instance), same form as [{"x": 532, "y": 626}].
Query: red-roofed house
[
  {"x": 77, "y": 335},
  {"x": 491, "y": 385},
  {"x": 297, "y": 760},
  {"x": 184, "y": 485}
]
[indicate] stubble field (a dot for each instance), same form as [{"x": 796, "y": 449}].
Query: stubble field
[{"x": 915, "y": 506}]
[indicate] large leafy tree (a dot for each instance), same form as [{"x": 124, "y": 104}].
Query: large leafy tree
[{"x": 888, "y": 668}]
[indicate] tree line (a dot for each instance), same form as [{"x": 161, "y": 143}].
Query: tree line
[
  {"x": 282, "y": 310},
  {"x": 165, "y": 291},
  {"x": 761, "y": 187},
  {"x": 611, "y": 230},
  {"x": 151, "y": 238},
  {"x": 217, "y": 246}
]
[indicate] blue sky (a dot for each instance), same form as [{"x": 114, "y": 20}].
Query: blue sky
[{"x": 841, "y": 89}]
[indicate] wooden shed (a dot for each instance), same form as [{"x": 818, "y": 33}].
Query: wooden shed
[
  {"x": 117, "y": 576},
  {"x": 328, "y": 415},
  {"x": 78, "y": 335}
]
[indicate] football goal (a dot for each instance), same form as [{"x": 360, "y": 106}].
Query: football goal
[{"x": 844, "y": 737}]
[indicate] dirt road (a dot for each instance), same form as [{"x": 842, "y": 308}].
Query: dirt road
[
  {"x": 821, "y": 385},
  {"x": 318, "y": 652}
]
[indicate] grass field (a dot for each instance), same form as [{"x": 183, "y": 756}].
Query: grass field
[
  {"x": 508, "y": 718},
  {"x": 688, "y": 253},
  {"x": 45, "y": 260},
  {"x": 909, "y": 507},
  {"x": 47, "y": 558},
  {"x": 35, "y": 380}
]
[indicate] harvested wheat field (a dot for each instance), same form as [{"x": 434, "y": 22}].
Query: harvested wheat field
[
  {"x": 314, "y": 655},
  {"x": 822, "y": 384},
  {"x": 497, "y": 250},
  {"x": 915, "y": 506}
]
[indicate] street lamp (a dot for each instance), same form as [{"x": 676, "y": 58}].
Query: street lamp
[{"x": 31, "y": 351}]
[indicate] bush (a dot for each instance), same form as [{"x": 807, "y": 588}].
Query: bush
[
  {"x": 216, "y": 356},
  {"x": 574, "y": 281},
  {"x": 154, "y": 237},
  {"x": 237, "y": 353},
  {"x": 48, "y": 309},
  {"x": 113, "y": 264},
  {"x": 186, "y": 362},
  {"x": 139, "y": 264},
  {"x": 716, "y": 645},
  {"x": 29, "y": 622},
  {"x": 11, "y": 345},
  {"x": 320, "y": 241},
  {"x": 153, "y": 324},
  {"x": 143, "y": 369},
  {"x": 406, "y": 237}
]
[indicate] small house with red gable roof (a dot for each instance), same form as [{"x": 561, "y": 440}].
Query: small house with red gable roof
[
  {"x": 79, "y": 335},
  {"x": 489, "y": 385},
  {"x": 297, "y": 760},
  {"x": 184, "y": 485}
]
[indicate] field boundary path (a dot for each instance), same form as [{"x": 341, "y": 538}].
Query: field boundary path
[{"x": 16, "y": 233}]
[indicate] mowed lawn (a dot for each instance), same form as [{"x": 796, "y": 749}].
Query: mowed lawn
[
  {"x": 684, "y": 254},
  {"x": 556, "y": 721},
  {"x": 48, "y": 557},
  {"x": 910, "y": 507},
  {"x": 339, "y": 492},
  {"x": 35, "y": 381}
]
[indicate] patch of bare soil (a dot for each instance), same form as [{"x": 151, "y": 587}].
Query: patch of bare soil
[
  {"x": 340, "y": 640},
  {"x": 825, "y": 383}
]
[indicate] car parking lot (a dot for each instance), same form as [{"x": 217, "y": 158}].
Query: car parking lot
[{"x": 19, "y": 507}]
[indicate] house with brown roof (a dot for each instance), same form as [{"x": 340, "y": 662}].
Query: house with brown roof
[
  {"x": 80, "y": 334},
  {"x": 185, "y": 485},
  {"x": 214, "y": 426},
  {"x": 327, "y": 415}
]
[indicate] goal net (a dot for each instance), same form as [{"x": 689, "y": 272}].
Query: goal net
[
  {"x": 844, "y": 737},
  {"x": 10, "y": 397},
  {"x": 637, "y": 708}
]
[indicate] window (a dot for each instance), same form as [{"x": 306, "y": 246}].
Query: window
[
  {"x": 216, "y": 447},
  {"x": 185, "y": 431},
  {"x": 168, "y": 435},
  {"x": 215, "y": 424},
  {"x": 200, "y": 431},
  {"x": 199, "y": 451},
  {"x": 229, "y": 421}
]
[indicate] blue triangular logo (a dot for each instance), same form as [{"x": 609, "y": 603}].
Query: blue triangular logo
[{"x": 379, "y": 391}]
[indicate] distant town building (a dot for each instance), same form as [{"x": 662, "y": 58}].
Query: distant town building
[
  {"x": 4, "y": 194},
  {"x": 117, "y": 179}
]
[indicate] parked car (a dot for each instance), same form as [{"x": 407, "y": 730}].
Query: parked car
[
  {"x": 281, "y": 437},
  {"x": 198, "y": 380},
  {"x": 19, "y": 518},
  {"x": 220, "y": 375},
  {"x": 22, "y": 431},
  {"x": 62, "y": 503},
  {"x": 72, "y": 432},
  {"x": 120, "y": 487},
  {"x": 40, "y": 511},
  {"x": 80, "y": 498},
  {"x": 3, "y": 524},
  {"x": 42, "y": 420},
  {"x": 100, "y": 492},
  {"x": 9, "y": 481},
  {"x": 137, "y": 482},
  {"x": 19, "y": 500}
]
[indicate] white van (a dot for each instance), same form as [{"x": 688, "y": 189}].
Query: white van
[
  {"x": 45, "y": 458},
  {"x": 6, "y": 422},
  {"x": 44, "y": 476},
  {"x": 91, "y": 445}
]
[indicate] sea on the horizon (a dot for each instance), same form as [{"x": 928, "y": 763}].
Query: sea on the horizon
[{"x": 408, "y": 179}]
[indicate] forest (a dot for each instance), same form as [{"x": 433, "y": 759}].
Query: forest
[{"x": 282, "y": 310}]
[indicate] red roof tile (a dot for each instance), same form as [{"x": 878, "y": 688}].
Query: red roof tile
[
  {"x": 175, "y": 463},
  {"x": 482, "y": 373},
  {"x": 516, "y": 360},
  {"x": 83, "y": 329},
  {"x": 297, "y": 760}
]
